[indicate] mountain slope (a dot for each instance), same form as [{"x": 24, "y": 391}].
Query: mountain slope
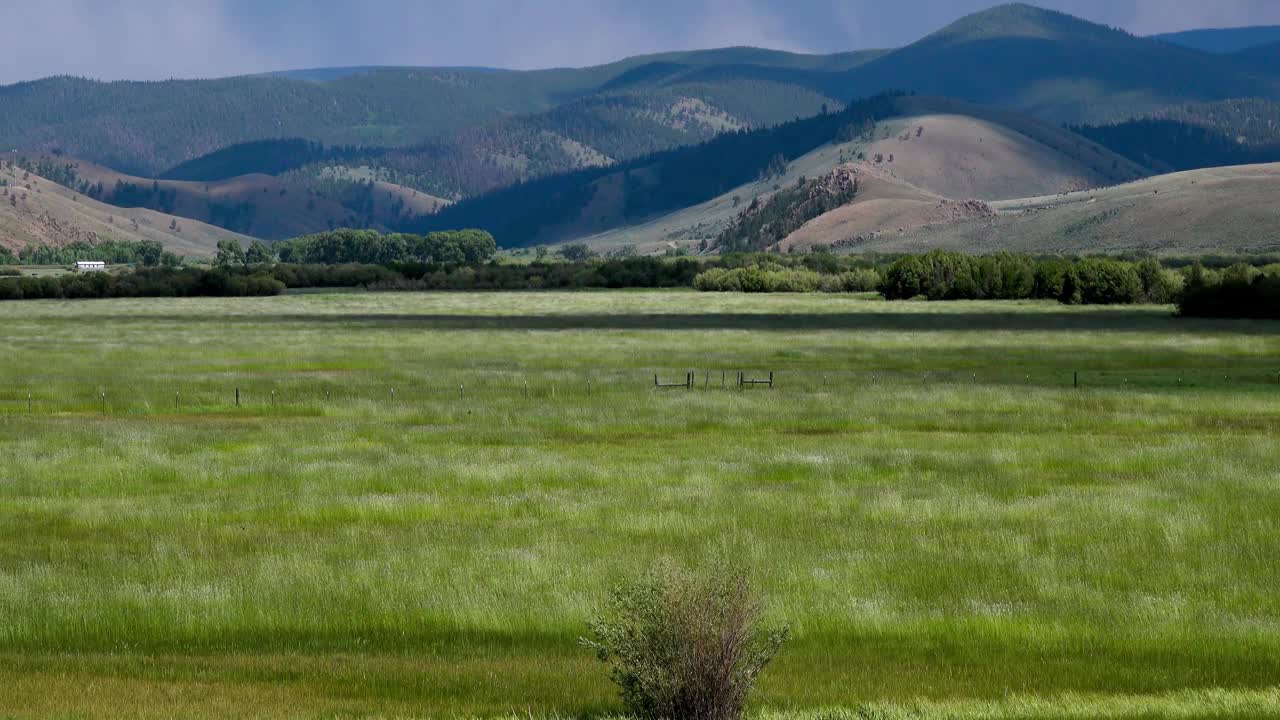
[
  {"x": 686, "y": 196},
  {"x": 477, "y": 128},
  {"x": 35, "y": 211},
  {"x": 148, "y": 127},
  {"x": 1224, "y": 41},
  {"x": 258, "y": 205},
  {"x": 1217, "y": 210}
]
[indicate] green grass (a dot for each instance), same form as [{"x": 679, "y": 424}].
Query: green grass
[{"x": 952, "y": 529}]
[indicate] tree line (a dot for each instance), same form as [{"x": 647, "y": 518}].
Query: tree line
[
  {"x": 148, "y": 253},
  {"x": 465, "y": 247}
]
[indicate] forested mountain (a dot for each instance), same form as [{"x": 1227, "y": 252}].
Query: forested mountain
[
  {"x": 148, "y": 127},
  {"x": 1188, "y": 137},
  {"x": 590, "y": 132},
  {"x": 459, "y": 131}
]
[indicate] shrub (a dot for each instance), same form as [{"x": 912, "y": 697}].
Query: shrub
[
  {"x": 685, "y": 645},
  {"x": 860, "y": 280},
  {"x": 1097, "y": 281}
]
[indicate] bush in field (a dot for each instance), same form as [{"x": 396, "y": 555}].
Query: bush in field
[
  {"x": 860, "y": 280},
  {"x": 1097, "y": 281},
  {"x": 759, "y": 279},
  {"x": 941, "y": 274},
  {"x": 1159, "y": 286},
  {"x": 683, "y": 645}
]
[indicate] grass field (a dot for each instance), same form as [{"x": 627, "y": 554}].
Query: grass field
[{"x": 421, "y": 518}]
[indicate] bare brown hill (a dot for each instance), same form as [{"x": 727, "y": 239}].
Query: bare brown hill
[
  {"x": 35, "y": 211},
  {"x": 936, "y": 161},
  {"x": 265, "y": 206},
  {"x": 1218, "y": 210}
]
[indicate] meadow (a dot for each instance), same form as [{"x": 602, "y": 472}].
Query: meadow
[{"x": 421, "y": 498}]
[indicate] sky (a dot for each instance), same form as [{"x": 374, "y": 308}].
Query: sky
[{"x": 158, "y": 39}]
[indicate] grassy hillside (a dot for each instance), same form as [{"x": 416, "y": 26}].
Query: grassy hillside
[
  {"x": 35, "y": 211},
  {"x": 258, "y": 205},
  {"x": 1218, "y": 210},
  {"x": 971, "y": 152}
]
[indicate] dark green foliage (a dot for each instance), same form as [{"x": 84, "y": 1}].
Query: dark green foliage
[
  {"x": 1173, "y": 145},
  {"x": 269, "y": 157},
  {"x": 1098, "y": 281},
  {"x": 131, "y": 195},
  {"x": 763, "y": 225},
  {"x": 614, "y": 273},
  {"x": 230, "y": 253},
  {"x": 1240, "y": 292},
  {"x": 114, "y": 252},
  {"x": 575, "y": 252},
  {"x": 758, "y": 279},
  {"x": 469, "y": 247},
  {"x": 686, "y": 645},
  {"x": 944, "y": 275},
  {"x": 151, "y": 282}
]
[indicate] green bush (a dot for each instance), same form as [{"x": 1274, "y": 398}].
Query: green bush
[
  {"x": 759, "y": 279},
  {"x": 1097, "y": 281},
  {"x": 685, "y": 645},
  {"x": 860, "y": 280}
]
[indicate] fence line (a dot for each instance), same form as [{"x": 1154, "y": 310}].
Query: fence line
[{"x": 291, "y": 394}]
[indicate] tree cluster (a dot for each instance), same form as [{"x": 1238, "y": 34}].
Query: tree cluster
[{"x": 462, "y": 247}]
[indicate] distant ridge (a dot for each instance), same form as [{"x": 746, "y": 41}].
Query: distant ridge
[{"x": 1224, "y": 41}]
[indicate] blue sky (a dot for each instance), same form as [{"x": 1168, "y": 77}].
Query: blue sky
[{"x": 152, "y": 39}]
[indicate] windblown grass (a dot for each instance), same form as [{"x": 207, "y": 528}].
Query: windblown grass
[{"x": 952, "y": 529}]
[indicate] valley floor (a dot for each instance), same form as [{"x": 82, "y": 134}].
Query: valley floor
[{"x": 421, "y": 497}]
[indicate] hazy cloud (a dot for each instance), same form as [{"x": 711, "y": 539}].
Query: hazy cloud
[{"x": 154, "y": 39}]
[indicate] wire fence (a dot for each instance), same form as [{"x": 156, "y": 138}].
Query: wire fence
[{"x": 294, "y": 395}]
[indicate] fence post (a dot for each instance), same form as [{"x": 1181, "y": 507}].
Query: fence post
[
  {"x": 1076, "y": 379},
  {"x": 237, "y": 397},
  {"x": 770, "y": 379}
]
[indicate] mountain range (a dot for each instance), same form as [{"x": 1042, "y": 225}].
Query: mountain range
[{"x": 286, "y": 153}]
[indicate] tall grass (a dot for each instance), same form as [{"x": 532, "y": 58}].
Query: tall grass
[{"x": 927, "y": 499}]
